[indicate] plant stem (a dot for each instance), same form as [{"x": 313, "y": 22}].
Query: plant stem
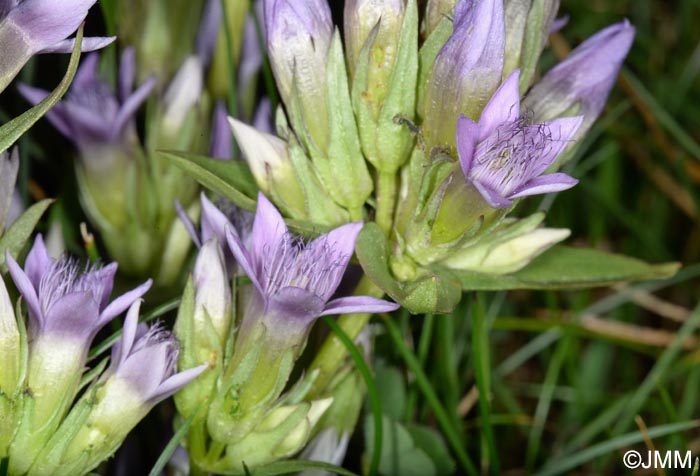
[
  {"x": 333, "y": 351},
  {"x": 386, "y": 201}
]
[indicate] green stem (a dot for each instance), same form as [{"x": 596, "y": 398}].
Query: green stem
[
  {"x": 196, "y": 447},
  {"x": 386, "y": 201},
  {"x": 451, "y": 433},
  {"x": 332, "y": 353}
]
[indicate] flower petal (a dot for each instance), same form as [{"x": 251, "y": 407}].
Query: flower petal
[
  {"x": 126, "y": 342},
  {"x": 188, "y": 224},
  {"x": 363, "y": 304},
  {"x": 75, "y": 314},
  {"x": 545, "y": 184},
  {"x": 106, "y": 277},
  {"x": 243, "y": 258},
  {"x": 559, "y": 135},
  {"x": 38, "y": 261},
  {"x": 89, "y": 44},
  {"x": 131, "y": 105},
  {"x": 338, "y": 247},
  {"x": 504, "y": 106},
  {"x": 491, "y": 196},
  {"x": 214, "y": 222},
  {"x": 295, "y": 308},
  {"x": 127, "y": 73},
  {"x": 25, "y": 287},
  {"x": 123, "y": 302},
  {"x": 268, "y": 232},
  {"x": 175, "y": 383},
  {"x": 467, "y": 138},
  {"x": 46, "y": 22}
]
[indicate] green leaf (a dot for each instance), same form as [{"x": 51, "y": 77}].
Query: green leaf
[
  {"x": 564, "y": 267},
  {"x": 232, "y": 180},
  {"x": 430, "y": 442},
  {"x": 18, "y": 234},
  {"x": 392, "y": 390},
  {"x": 400, "y": 455},
  {"x": 12, "y": 130},
  {"x": 431, "y": 292},
  {"x": 229, "y": 178}
]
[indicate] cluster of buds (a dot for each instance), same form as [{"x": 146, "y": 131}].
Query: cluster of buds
[
  {"x": 428, "y": 135},
  {"x": 44, "y": 429},
  {"x": 251, "y": 349}
]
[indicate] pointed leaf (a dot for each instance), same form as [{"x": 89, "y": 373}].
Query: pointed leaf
[
  {"x": 20, "y": 231},
  {"x": 564, "y": 267},
  {"x": 12, "y": 130}
]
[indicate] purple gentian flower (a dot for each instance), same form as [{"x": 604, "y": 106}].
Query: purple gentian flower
[
  {"x": 146, "y": 359},
  {"x": 28, "y": 27},
  {"x": 293, "y": 280},
  {"x": 504, "y": 154},
  {"x": 92, "y": 114},
  {"x": 65, "y": 300},
  {"x": 467, "y": 70},
  {"x": 141, "y": 374},
  {"x": 585, "y": 77}
]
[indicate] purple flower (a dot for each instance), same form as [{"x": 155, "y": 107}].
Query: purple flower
[
  {"x": 467, "y": 69},
  {"x": 28, "y": 27},
  {"x": 221, "y": 139},
  {"x": 504, "y": 154},
  {"x": 146, "y": 359},
  {"x": 213, "y": 224},
  {"x": 585, "y": 77},
  {"x": 294, "y": 280},
  {"x": 64, "y": 299},
  {"x": 92, "y": 114}
]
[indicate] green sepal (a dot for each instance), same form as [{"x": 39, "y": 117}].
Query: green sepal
[
  {"x": 533, "y": 43},
  {"x": 50, "y": 460},
  {"x": 431, "y": 291},
  {"x": 319, "y": 207},
  {"x": 426, "y": 58},
  {"x": 193, "y": 353},
  {"x": 17, "y": 235},
  {"x": 342, "y": 167},
  {"x": 563, "y": 267},
  {"x": 13, "y": 129},
  {"x": 230, "y": 417},
  {"x": 92, "y": 374}
]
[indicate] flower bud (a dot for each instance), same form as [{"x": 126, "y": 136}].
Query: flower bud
[
  {"x": 382, "y": 44},
  {"x": 508, "y": 248},
  {"x": 466, "y": 71},
  {"x": 582, "y": 82},
  {"x": 271, "y": 166},
  {"x": 298, "y": 39},
  {"x": 361, "y": 18}
]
